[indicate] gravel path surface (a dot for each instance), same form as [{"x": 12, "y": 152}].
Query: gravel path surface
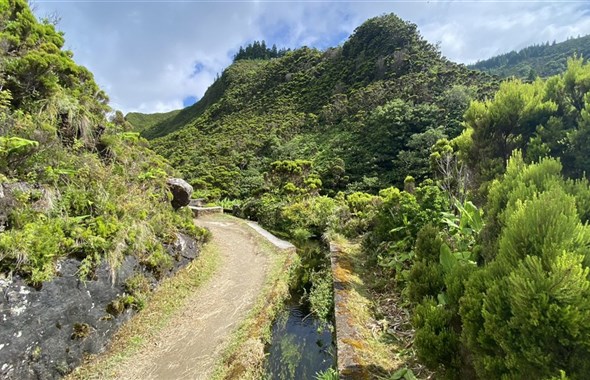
[{"x": 190, "y": 345}]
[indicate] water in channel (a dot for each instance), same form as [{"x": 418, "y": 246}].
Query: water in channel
[{"x": 301, "y": 345}]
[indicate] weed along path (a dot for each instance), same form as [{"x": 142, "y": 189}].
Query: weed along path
[{"x": 190, "y": 343}]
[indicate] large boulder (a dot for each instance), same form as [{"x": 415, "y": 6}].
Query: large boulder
[{"x": 181, "y": 192}]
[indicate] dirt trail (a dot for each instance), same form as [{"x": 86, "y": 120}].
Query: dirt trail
[{"x": 190, "y": 345}]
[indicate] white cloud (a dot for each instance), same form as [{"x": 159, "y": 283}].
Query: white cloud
[{"x": 144, "y": 54}]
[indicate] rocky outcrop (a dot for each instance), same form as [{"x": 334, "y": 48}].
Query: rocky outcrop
[
  {"x": 181, "y": 192},
  {"x": 46, "y": 332},
  {"x": 183, "y": 250}
]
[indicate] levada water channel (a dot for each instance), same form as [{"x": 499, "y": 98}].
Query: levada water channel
[{"x": 302, "y": 343}]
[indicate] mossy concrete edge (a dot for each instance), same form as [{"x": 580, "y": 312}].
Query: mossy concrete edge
[{"x": 347, "y": 338}]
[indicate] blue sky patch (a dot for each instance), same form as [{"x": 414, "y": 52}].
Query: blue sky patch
[
  {"x": 189, "y": 101},
  {"x": 197, "y": 68}
]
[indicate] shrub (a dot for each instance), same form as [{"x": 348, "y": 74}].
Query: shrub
[
  {"x": 329, "y": 374},
  {"x": 436, "y": 343},
  {"x": 397, "y": 222},
  {"x": 437, "y": 287},
  {"x": 519, "y": 182},
  {"x": 321, "y": 298},
  {"x": 425, "y": 278},
  {"x": 34, "y": 249},
  {"x": 527, "y": 314}
]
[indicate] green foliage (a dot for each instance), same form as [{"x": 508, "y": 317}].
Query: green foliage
[
  {"x": 34, "y": 64},
  {"x": 329, "y": 374},
  {"x": 435, "y": 283},
  {"x": 403, "y": 373},
  {"x": 525, "y": 313},
  {"x": 16, "y": 145},
  {"x": 122, "y": 303},
  {"x": 14, "y": 150},
  {"x": 521, "y": 182},
  {"x": 81, "y": 330},
  {"x": 293, "y": 178},
  {"x": 141, "y": 122},
  {"x": 541, "y": 118},
  {"x": 522, "y": 311},
  {"x": 89, "y": 188},
  {"x": 505, "y": 123},
  {"x": 426, "y": 276},
  {"x": 321, "y": 297},
  {"x": 543, "y": 60},
  {"x": 34, "y": 248},
  {"x": 399, "y": 219},
  {"x": 314, "y": 214},
  {"x": 360, "y": 113},
  {"x": 436, "y": 342}
]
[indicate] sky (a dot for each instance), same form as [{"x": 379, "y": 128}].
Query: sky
[{"x": 159, "y": 55}]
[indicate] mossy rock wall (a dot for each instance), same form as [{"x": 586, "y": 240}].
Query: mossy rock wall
[{"x": 47, "y": 332}]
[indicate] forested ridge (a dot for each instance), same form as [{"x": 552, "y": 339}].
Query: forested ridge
[
  {"x": 468, "y": 195},
  {"x": 326, "y": 106},
  {"x": 542, "y": 60}
]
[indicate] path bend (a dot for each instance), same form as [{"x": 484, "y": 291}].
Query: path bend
[{"x": 193, "y": 341}]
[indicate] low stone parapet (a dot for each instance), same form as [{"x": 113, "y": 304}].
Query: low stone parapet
[
  {"x": 200, "y": 211},
  {"x": 279, "y": 243}
]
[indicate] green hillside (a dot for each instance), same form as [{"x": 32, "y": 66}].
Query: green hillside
[
  {"x": 158, "y": 125},
  {"x": 72, "y": 183},
  {"x": 142, "y": 121},
  {"x": 360, "y": 112},
  {"x": 538, "y": 60}
]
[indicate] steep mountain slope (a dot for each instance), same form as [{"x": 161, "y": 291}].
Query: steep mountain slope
[
  {"x": 86, "y": 223},
  {"x": 361, "y": 113},
  {"x": 147, "y": 121},
  {"x": 543, "y": 60},
  {"x": 157, "y": 125},
  {"x": 96, "y": 182}
]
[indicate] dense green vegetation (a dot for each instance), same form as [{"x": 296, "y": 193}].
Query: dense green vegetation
[
  {"x": 74, "y": 183},
  {"x": 500, "y": 290},
  {"x": 543, "y": 118},
  {"x": 487, "y": 243},
  {"x": 542, "y": 60},
  {"x": 147, "y": 121},
  {"x": 361, "y": 113},
  {"x": 259, "y": 50}
]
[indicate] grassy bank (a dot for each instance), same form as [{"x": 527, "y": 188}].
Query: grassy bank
[
  {"x": 382, "y": 346},
  {"x": 142, "y": 330}
]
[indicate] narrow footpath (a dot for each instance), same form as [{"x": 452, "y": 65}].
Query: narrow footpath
[{"x": 191, "y": 344}]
